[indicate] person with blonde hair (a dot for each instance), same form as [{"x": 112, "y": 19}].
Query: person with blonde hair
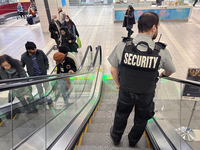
[{"x": 31, "y": 15}]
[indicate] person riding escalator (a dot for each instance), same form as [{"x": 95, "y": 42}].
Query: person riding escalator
[{"x": 12, "y": 68}]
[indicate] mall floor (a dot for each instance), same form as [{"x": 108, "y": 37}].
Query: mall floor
[{"x": 96, "y": 27}]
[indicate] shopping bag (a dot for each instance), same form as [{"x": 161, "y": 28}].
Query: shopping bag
[{"x": 78, "y": 42}]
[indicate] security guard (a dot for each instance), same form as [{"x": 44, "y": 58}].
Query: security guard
[{"x": 139, "y": 60}]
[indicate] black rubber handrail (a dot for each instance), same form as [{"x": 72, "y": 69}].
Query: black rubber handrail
[
  {"x": 194, "y": 83},
  {"x": 47, "y": 76},
  {"x": 63, "y": 75}
]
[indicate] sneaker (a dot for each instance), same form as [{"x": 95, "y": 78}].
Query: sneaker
[
  {"x": 131, "y": 144},
  {"x": 114, "y": 142}
]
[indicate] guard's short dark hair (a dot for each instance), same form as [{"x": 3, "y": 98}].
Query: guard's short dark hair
[
  {"x": 30, "y": 45},
  {"x": 147, "y": 20}
]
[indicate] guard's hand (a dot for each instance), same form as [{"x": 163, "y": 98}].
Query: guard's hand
[
  {"x": 71, "y": 71},
  {"x": 126, "y": 15},
  {"x": 118, "y": 87},
  {"x": 160, "y": 76},
  {"x": 59, "y": 39},
  {"x": 56, "y": 32},
  {"x": 69, "y": 41}
]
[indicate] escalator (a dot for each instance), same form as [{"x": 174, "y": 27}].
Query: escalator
[
  {"x": 16, "y": 124},
  {"x": 97, "y": 135},
  {"x": 86, "y": 122}
]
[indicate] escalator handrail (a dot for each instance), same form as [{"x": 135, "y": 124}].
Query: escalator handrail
[
  {"x": 194, "y": 83},
  {"x": 47, "y": 76},
  {"x": 63, "y": 75},
  {"x": 91, "y": 69}
]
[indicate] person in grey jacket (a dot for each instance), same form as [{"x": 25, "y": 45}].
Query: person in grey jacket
[
  {"x": 61, "y": 15},
  {"x": 11, "y": 68},
  {"x": 129, "y": 20},
  {"x": 37, "y": 64}
]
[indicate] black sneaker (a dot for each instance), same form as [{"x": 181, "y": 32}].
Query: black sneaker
[
  {"x": 131, "y": 144},
  {"x": 114, "y": 142}
]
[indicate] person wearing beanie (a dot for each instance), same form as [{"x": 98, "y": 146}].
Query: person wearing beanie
[
  {"x": 64, "y": 65},
  {"x": 64, "y": 49}
]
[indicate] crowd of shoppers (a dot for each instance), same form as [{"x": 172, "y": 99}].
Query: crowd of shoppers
[
  {"x": 32, "y": 10},
  {"x": 37, "y": 64},
  {"x": 63, "y": 30}
]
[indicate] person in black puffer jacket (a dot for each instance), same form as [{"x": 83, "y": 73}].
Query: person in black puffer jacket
[{"x": 68, "y": 39}]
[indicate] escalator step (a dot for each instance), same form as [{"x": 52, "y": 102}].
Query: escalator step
[
  {"x": 108, "y": 101},
  {"x": 106, "y": 148},
  {"x": 107, "y": 120},
  {"x": 109, "y": 113},
  {"x": 110, "y": 87},
  {"x": 96, "y": 139},
  {"x": 106, "y": 107},
  {"x": 104, "y": 113},
  {"x": 109, "y": 81},
  {"x": 105, "y": 128},
  {"x": 109, "y": 95}
]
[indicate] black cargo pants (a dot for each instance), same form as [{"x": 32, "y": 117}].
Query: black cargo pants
[{"x": 144, "y": 110}]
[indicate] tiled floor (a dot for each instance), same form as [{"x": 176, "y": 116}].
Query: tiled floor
[{"x": 96, "y": 27}]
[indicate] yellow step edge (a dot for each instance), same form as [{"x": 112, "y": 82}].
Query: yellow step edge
[
  {"x": 15, "y": 116},
  {"x": 86, "y": 127},
  {"x": 1, "y": 123},
  {"x": 148, "y": 142}
]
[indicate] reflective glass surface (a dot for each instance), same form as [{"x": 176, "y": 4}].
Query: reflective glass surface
[
  {"x": 43, "y": 110},
  {"x": 178, "y": 103}
]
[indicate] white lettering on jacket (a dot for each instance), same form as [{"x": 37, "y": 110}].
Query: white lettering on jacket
[{"x": 140, "y": 61}]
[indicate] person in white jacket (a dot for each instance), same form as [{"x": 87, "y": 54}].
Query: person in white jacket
[{"x": 61, "y": 15}]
